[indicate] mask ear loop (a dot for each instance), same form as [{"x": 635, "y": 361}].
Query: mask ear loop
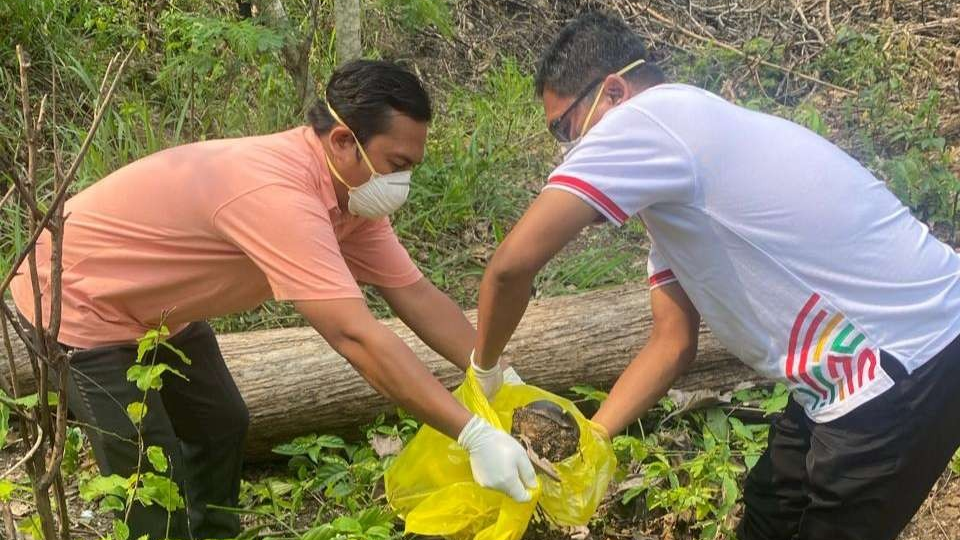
[
  {"x": 354, "y": 135},
  {"x": 596, "y": 100},
  {"x": 336, "y": 174}
]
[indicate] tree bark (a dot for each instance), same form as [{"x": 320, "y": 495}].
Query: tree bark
[
  {"x": 346, "y": 16},
  {"x": 294, "y": 383}
]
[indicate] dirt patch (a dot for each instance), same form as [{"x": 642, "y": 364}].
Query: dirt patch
[
  {"x": 550, "y": 431},
  {"x": 939, "y": 517}
]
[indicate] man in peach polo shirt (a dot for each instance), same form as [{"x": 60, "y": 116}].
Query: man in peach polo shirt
[{"x": 217, "y": 227}]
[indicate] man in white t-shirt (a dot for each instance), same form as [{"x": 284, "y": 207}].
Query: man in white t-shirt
[{"x": 801, "y": 262}]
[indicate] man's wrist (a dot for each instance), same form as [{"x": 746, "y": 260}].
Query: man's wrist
[{"x": 478, "y": 366}]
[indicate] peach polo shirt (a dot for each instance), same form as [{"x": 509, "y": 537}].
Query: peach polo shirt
[{"x": 207, "y": 229}]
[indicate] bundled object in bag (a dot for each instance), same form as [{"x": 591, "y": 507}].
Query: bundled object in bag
[{"x": 431, "y": 486}]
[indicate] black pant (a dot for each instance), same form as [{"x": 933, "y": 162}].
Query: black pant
[
  {"x": 864, "y": 475},
  {"x": 200, "y": 424}
]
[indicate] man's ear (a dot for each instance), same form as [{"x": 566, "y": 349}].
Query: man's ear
[
  {"x": 616, "y": 89},
  {"x": 341, "y": 138}
]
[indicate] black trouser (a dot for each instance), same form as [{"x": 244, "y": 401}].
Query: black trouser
[
  {"x": 200, "y": 424},
  {"x": 864, "y": 475}
]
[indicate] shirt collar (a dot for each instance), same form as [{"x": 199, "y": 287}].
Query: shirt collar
[{"x": 324, "y": 180}]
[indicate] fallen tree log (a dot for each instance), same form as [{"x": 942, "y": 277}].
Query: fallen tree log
[{"x": 294, "y": 383}]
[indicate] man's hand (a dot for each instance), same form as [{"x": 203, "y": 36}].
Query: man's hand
[
  {"x": 492, "y": 379},
  {"x": 497, "y": 460}
]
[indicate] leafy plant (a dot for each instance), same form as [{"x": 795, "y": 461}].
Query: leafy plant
[{"x": 416, "y": 14}]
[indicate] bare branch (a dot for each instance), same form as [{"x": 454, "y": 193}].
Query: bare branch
[
  {"x": 68, "y": 177},
  {"x": 3, "y": 201},
  {"x": 673, "y": 24},
  {"x": 33, "y": 450}
]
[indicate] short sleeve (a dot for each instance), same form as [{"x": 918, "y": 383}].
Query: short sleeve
[
  {"x": 658, "y": 270},
  {"x": 375, "y": 256},
  {"x": 289, "y": 236},
  {"x": 627, "y": 162}
]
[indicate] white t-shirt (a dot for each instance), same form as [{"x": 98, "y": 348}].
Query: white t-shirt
[{"x": 802, "y": 263}]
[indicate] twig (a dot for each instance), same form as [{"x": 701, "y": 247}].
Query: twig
[
  {"x": 949, "y": 22},
  {"x": 21, "y": 332},
  {"x": 14, "y": 388},
  {"x": 803, "y": 17},
  {"x": 8, "y": 524},
  {"x": 68, "y": 177},
  {"x": 654, "y": 14},
  {"x": 828, "y": 17},
  {"x": 6, "y": 197},
  {"x": 29, "y": 454},
  {"x": 53, "y": 467}
]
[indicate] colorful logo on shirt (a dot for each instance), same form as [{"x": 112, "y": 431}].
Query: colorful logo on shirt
[{"x": 828, "y": 359}]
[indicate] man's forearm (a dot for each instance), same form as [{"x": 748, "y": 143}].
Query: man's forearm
[
  {"x": 385, "y": 361},
  {"x": 448, "y": 332},
  {"x": 503, "y": 300},
  {"x": 436, "y": 319},
  {"x": 648, "y": 377}
]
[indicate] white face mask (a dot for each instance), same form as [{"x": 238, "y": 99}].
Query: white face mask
[{"x": 381, "y": 195}]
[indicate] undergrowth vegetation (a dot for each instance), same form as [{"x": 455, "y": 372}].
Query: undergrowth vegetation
[{"x": 199, "y": 72}]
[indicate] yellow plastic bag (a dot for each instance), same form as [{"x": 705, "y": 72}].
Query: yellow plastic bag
[{"x": 431, "y": 487}]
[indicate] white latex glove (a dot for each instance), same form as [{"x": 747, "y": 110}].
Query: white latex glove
[
  {"x": 510, "y": 376},
  {"x": 497, "y": 460},
  {"x": 490, "y": 379}
]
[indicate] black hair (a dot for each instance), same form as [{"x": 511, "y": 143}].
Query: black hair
[
  {"x": 364, "y": 93},
  {"x": 591, "y": 46}
]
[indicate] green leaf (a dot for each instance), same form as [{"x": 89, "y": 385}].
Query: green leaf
[
  {"x": 30, "y": 401},
  {"x": 347, "y": 524},
  {"x": 157, "y": 458},
  {"x": 323, "y": 532},
  {"x": 32, "y": 526},
  {"x": 101, "y": 486},
  {"x": 136, "y": 411},
  {"x": 4, "y": 424},
  {"x": 330, "y": 441},
  {"x": 341, "y": 489},
  {"x": 178, "y": 352},
  {"x": 778, "y": 401},
  {"x": 112, "y": 503},
  {"x": 741, "y": 430},
  {"x": 120, "y": 530},
  {"x": 590, "y": 393},
  {"x": 717, "y": 424},
  {"x": 6, "y": 489},
  {"x": 299, "y": 446},
  {"x": 150, "y": 340},
  {"x": 71, "y": 451},
  {"x": 159, "y": 490},
  {"x": 149, "y": 377},
  {"x": 730, "y": 492}
]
